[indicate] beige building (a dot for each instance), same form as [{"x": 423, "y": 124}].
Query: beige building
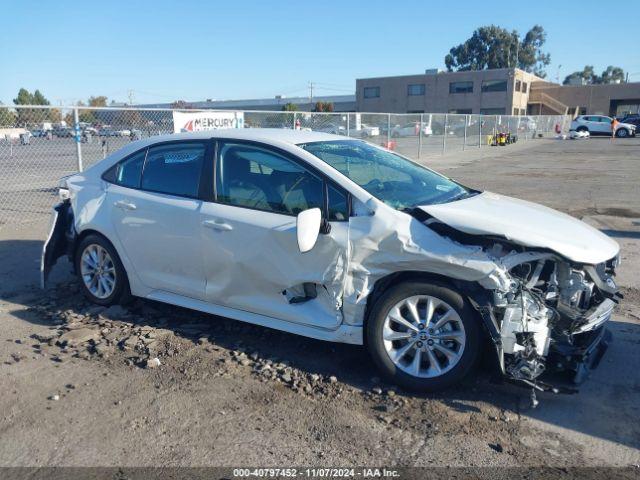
[
  {"x": 507, "y": 91},
  {"x": 613, "y": 99}
]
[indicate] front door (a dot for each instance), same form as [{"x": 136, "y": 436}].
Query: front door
[{"x": 251, "y": 254}]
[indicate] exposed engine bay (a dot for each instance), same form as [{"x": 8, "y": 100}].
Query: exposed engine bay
[{"x": 548, "y": 313}]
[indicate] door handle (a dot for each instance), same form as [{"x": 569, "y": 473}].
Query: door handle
[
  {"x": 125, "y": 205},
  {"x": 217, "y": 225}
]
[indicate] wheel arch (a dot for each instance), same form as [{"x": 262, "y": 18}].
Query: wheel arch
[{"x": 471, "y": 291}]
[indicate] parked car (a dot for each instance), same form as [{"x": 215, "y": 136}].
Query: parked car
[
  {"x": 601, "y": 125},
  {"x": 39, "y": 132},
  {"x": 411, "y": 130},
  {"x": 123, "y": 133},
  {"x": 63, "y": 132},
  {"x": 108, "y": 132},
  {"x": 332, "y": 128},
  {"x": 633, "y": 119},
  {"x": 340, "y": 240}
]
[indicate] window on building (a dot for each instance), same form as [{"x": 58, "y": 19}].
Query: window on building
[
  {"x": 494, "y": 86},
  {"x": 518, "y": 85},
  {"x": 583, "y": 110},
  {"x": 516, "y": 111},
  {"x": 174, "y": 168},
  {"x": 461, "y": 87},
  {"x": 415, "y": 111},
  {"x": 524, "y": 87},
  {"x": 415, "y": 89},
  {"x": 371, "y": 92},
  {"x": 461, "y": 111},
  {"x": 492, "y": 111}
]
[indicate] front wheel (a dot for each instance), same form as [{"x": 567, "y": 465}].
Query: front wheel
[
  {"x": 622, "y": 133},
  {"x": 423, "y": 336}
]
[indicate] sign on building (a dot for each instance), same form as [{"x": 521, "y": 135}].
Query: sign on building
[{"x": 197, "y": 121}]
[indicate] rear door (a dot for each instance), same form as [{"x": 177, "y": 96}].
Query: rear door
[
  {"x": 156, "y": 214},
  {"x": 252, "y": 260}
]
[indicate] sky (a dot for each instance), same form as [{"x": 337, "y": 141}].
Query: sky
[{"x": 160, "y": 51}]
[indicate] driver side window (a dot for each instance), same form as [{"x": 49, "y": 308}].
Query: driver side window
[{"x": 254, "y": 177}]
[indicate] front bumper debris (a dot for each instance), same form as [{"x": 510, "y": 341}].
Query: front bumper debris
[{"x": 581, "y": 356}]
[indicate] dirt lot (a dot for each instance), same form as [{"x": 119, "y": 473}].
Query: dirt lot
[{"x": 80, "y": 389}]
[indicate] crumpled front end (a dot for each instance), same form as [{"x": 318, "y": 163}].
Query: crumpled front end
[{"x": 552, "y": 316}]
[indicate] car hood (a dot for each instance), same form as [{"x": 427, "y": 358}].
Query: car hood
[
  {"x": 630, "y": 126},
  {"x": 527, "y": 224}
]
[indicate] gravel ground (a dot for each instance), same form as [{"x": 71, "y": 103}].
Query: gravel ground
[{"x": 155, "y": 385}]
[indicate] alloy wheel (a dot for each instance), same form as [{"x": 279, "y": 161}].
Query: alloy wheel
[
  {"x": 98, "y": 271},
  {"x": 424, "y": 336}
]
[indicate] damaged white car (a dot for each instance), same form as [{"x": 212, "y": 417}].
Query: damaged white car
[{"x": 339, "y": 240}]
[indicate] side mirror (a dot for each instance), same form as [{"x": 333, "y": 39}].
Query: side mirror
[{"x": 308, "y": 228}]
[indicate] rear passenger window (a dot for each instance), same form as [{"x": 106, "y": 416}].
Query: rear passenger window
[
  {"x": 174, "y": 169},
  {"x": 128, "y": 172}
]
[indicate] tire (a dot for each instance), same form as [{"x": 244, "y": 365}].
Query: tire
[
  {"x": 622, "y": 133},
  {"x": 119, "y": 291},
  {"x": 464, "y": 323}
]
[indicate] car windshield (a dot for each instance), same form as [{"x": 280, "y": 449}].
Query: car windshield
[{"x": 393, "y": 179}]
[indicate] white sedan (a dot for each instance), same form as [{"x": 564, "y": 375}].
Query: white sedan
[{"x": 340, "y": 240}]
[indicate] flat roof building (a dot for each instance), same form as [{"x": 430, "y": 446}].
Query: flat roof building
[
  {"x": 505, "y": 91},
  {"x": 341, "y": 103}
]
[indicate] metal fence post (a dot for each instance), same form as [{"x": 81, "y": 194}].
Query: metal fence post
[
  {"x": 480, "y": 120},
  {"x": 466, "y": 119},
  {"x": 388, "y": 129},
  {"x": 294, "y": 121},
  {"x": 444, "y": 134},
  {"x": 348, "y": 133},
  {"x": 420, "y": 136},
  {"x": 76, "y": 128}
]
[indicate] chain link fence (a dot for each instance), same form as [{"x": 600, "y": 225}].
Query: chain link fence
[{"x": 38, "y": 145}]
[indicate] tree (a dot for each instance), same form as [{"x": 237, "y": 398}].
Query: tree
[
  {"x": 100, "y": 101},
  {"x": 30, "y": 115},
  {"x": 530, "y": 56},
  {"x": 612, "y": 75},
  {"x": 495, "y": 47},
  {"x": 588, "y": 76},
  {"x": 323, "y": 107},
  {"x": 8, "y": 117},
  {"x": 181, "y": 105},
  {"x": 289, "y": 107}
]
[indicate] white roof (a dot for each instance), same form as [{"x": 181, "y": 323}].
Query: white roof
[{"x": 293, "y": 137}]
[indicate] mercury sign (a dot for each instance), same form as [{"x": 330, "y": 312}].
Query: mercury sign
[{"x": 197, "y": 121}]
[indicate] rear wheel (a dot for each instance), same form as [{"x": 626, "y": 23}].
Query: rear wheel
[
  {"x": 423, "y": 336},
  {"x": 102, "y": 276}
]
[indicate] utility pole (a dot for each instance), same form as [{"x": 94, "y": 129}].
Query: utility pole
[
  {"x": 310, "y": 96},
  {"x": 130, "y": 97}
]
